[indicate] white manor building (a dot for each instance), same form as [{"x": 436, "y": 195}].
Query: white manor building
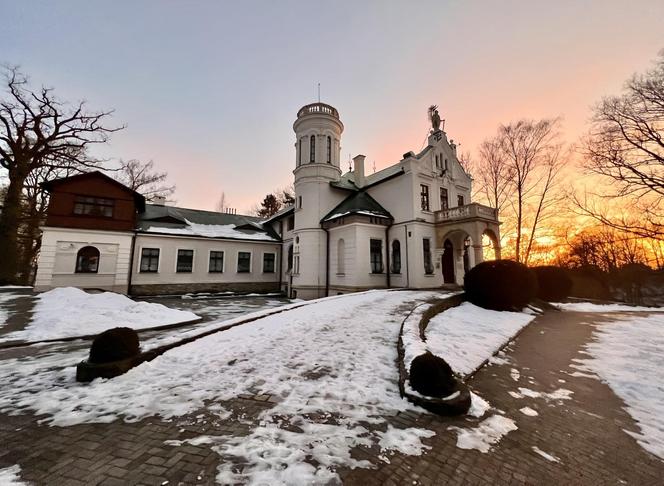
[{"x": 411, "y": 225}]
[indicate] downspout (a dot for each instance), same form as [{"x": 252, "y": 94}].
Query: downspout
[
  {"x": 405, "y": 228},
  {"x": 327, "y": 262},
  {"x": 281, "y": 263},
  {"x": 387, "y": 253},
  {"x": 131, "y": 262}
]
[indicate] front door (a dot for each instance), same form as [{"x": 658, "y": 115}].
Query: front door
[{"x": 448, "y": 262}]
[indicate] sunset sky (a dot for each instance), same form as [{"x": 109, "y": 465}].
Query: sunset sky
[{"x": 209, "y": 90}]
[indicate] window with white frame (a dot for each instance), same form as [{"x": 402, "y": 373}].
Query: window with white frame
[
  {"x": 243, "y": 262},
  {"x": 428, "y": 263},
  {"x": 149, "y": 260},
  {"x": 216, "y": 262},
  {"x": 269, "y": 262},
  {"x": 376, "y": 255},
  {"x": 424, "y": 197},
  {"x": 185, "y": 261}
]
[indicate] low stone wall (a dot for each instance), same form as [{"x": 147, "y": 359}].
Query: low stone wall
[{"x": 185, "y": 288}]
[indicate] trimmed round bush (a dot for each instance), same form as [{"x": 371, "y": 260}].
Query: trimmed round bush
[
  {"x": 431, "y": 376},
  {"x": 554, "y": 283},
  {"x": 114, "y": 345},
  {"x": 500, "y": 285}
]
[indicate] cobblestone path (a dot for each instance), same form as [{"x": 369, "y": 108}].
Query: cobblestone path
[{"x": 585, "y": 433}]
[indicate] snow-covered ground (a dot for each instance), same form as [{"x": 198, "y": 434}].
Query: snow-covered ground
[
  {"x": 590, "y": 307},
  {"x": 627, "y": 354},
  {"x": 69, "y": 311},
  {"x": 9, "y": 476},
  {"x": 464, "y": 336},
  {"x": 330, "y": 365}
]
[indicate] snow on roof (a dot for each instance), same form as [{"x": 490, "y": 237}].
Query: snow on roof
[{"x": 210, "y": 231}]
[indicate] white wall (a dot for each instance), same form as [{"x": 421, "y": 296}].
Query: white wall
[
  {"x": 168, "y": 246},
  {"x": 57, "y": 259}
]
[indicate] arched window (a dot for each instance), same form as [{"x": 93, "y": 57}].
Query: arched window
[
  {"x": 341, "y": 257},
  {"x": 312, "y": 149},
  {"x": 87, "y": 260},
  {"x": 299, "y": 154},
  {"x": 396, "y": 256},
  {"x": 329, "y": 150}
]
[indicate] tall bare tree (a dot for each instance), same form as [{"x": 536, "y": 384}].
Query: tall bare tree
[
  {"x": 626, "y": 148},
  {"x": 518, "y": 172},
  {"x": 222, "y": 203},
  {"x": 36, "y": 131},
  {"x": 143, "y": 178}
]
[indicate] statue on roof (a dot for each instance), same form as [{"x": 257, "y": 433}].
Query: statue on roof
[{"x": 434, "y": 117}]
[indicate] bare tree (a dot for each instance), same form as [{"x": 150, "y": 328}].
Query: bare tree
[
  {"x": 492, "y": 174},
  {"x": 222, "y": 204},
  {"x": 37, "y": 131},
  {"x": 626, "y": 147},
  {"x": 144, "y": 179},
  {"x": 518, "y": 172}
]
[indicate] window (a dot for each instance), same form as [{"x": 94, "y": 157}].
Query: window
[
  {"x": 93, "y": 206},
  {"x": 341, "y": 257},
  {"x": 149, "y": 260},
  {"x": 296, "y": 264},
  {"x": 87, "y": 260},
  {"x": 312, "y": 149},
  {"x": 268, "y": 262},
  {"x": 459, "y": 200},
  {"x": 445, "y": 164},
  {"x": 444, "y": 203},
  {"x": 243, "y": 262},
  {"x": 329, "y": 150},
  {"x": 299, "y": 154},
  {"x": 376, "y": 253},
  {"x": 290, "y": 258},
  {"x": 424, "y": 197},
  {"x": 396, "y": 256},
  {"x": 299, "y": 202},
  {"x": 185, "y": 263},
  {"x": 428, "y": 265},
  {"x": 290, "y": 223},
  {"x": 216, "y": 262}
]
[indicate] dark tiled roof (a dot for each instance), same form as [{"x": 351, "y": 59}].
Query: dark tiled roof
[
  {"x": 347, "y": 181},
  {"x": 358, "y": 203},
  {"x": 193, "y": 222}
]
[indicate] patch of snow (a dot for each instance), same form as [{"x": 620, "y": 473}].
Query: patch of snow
[
  {"x": 405, "y": 441},
  {"x": 9, "y": 476},
  {"x": 467, "y": 335},
  {"x": 212, "y": 231},
  {"x": 499, "y": 359},
  {"x": 627, "y": 355},
  {"x": 514, "y": 394},
  {"x": 559, "y": 394},
  {"x": 478, "y": 405},
  {"x": 589, "y": 307},
  {"x": 528, "y": 411},
  {"x": 304, "y": 358},
  {"x": 486, "y": 434},
  {"x": 545, "y": 455},
  {"x": 8, "y": 287},
  {"x": 69, "y": 311}
]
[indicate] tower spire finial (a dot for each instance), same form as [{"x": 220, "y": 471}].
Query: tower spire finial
[{"x": 319, "y": 92}]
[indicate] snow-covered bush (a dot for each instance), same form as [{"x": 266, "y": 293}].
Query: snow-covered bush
[
  {"x": 114, "y": 345},
  {"x": 431, "y": 376},
  {"x": 554, "y": 283},
  {"x": 500, "y": 285}
]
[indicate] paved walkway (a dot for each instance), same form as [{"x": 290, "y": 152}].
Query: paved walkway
[{"x": 585, "y": 433}]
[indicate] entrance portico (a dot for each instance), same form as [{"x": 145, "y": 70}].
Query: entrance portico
[{"x": 459, "y": 233}]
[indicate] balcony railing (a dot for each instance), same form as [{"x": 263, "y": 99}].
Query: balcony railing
[
  {"x": 318, "y": 109},
  {"x": 469, "y": 211}
]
